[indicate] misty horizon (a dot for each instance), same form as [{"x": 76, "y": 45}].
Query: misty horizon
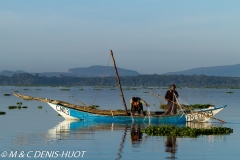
[{"x": 145, "y": 36}]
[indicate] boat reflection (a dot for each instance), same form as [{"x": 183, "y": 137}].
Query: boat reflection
[
  {"x": 64, "y": 129},
  {"x": 199, "y": 125},
  {"x": 85, "y": 130}
]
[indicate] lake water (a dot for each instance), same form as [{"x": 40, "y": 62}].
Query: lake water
[{"x": 33, "y": 132}]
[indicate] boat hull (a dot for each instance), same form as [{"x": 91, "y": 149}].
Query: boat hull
[
  {"x": 203, "y": 115},
  {"x": 69, "y": 113}
]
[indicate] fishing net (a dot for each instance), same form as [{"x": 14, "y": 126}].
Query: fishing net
[{"x": 182, "y": 102}]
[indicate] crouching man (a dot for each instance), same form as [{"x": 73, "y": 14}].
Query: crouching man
[{"x": 136, "y": 105}]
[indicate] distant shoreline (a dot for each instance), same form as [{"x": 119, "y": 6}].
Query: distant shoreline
[
  {"x": 114, "y": 87},
  {"x": 194, "y": 81}
]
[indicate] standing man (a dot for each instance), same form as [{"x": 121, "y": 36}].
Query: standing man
[
  {"x": 170, "y": 97},
  {"x": 136, "y": 105}
]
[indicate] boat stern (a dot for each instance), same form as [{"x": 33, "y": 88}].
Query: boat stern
[{"x": 203, "y": 115}]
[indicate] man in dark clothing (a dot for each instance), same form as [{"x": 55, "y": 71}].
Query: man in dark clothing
[
  {"x": 170, "y": 97},
  {"x": 136, "y": 105}
]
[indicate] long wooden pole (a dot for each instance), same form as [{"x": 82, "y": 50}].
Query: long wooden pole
[
  {"x": 188, "y": 108},
  {"x": 119, "y": 83}
]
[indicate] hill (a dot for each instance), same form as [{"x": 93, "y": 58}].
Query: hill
[
  {"x": 223, "y": 71},
  {"x": 92, "y": 71},
  {"x": 99, "y": 71}
]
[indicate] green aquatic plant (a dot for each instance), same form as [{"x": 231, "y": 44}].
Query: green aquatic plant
[
  {"x": 198, "y": 106},
  {"x": 94, "y": 106},
  {"x": 163, "y": 106},
  {"x": 12, "y": 107},
  {"x": 19, "y": 103},
  {"x": 15, "y": 107},
  {"x": 229, "y": 92},
  {"x": 40, "y": 107},
  {"x": 25, "y": 107},
  {"x": 191, "y": 106},
  {"x": 170, "y": 130},
  {"x": 6, "y": 94},
  {"x": 2, "y": 113}
]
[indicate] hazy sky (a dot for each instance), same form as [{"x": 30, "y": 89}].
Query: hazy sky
[{"x": 147, "y": 36}]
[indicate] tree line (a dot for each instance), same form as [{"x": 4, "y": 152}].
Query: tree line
[{"x": 26, "y": 79}]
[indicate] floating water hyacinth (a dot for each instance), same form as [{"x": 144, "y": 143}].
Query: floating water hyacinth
[
  {"x": 169, "y": 130},
  {"x": 229, "y": 92},
  {"x": 94, "y": 106},
  {"x": 6, "y": 94},
  {"x": 191, "y": 106},
  {"x": 2, "y": 113},
  {"x": 12, "y": 107},
  {"x": 19, "y": 103},
  {"x": 40, "y": 107}
]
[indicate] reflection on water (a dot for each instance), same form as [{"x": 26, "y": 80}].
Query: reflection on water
[
  {"x": 210, "y": 138},
  {"x": 136, "y": 134},
  {"x": 120, "y": 151},
  {"x": 125, "y": 135},
  {"x": 66, "y": 127},
  {"x": 83, "y": 130},
  {"x": 199, "y": 125},
  {"x": 171, "y": 146},
  {"x": 61, "y": 131}
]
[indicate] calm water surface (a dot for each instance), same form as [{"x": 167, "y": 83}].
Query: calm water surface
[{"x": 35, "y": 130}]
